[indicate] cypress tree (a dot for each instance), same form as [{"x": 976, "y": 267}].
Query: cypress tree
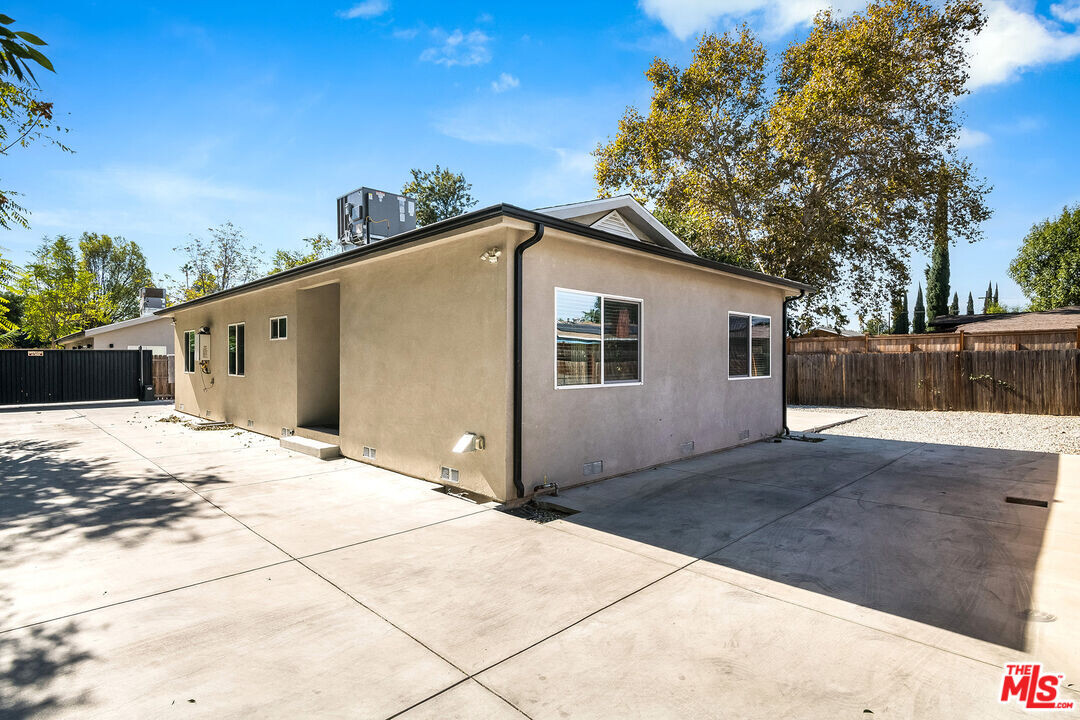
[
  {"x": 901, "y": 324},
  {"x": 996, "y": 295},
  {"x": 937, "y": 275},
  {"x": 920, "y": 313},
  {"x": 970, "y": 305},
  {"x": 954, "y": 308},
  {"x": 988, "y": 297}
]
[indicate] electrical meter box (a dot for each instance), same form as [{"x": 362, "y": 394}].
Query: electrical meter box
[{"x": 202, "y": 351}]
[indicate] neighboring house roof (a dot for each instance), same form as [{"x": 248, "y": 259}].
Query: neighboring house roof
[
  {"x": 91, "y": 332},
  {"x": 620, "y": 215},
  {"x": 1063, "y": 318},
  {"x": 820, "y": 331},
  {"x": 428, "y": 232}
]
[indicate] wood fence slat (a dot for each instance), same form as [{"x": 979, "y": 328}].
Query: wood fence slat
[{"x": 1044, "y": 382}]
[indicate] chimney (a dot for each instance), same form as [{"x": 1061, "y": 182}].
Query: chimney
[{"x": 151, "y": 300}]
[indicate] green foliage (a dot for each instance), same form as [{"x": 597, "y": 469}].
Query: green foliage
[
  {"x": 996, "y": 294},
  {"x": 59, "y": 294},
  {"x": 937, "y": 274},
  {"x": 876, "y": 326},
  {"x": 901, "y": 322},
  {"x": 1047, "y": 266},
  {"x": 954, "y": 306},
  {"x": 24, "y": 117},
  {"x": 825, "y": 172},
  {"x": 700, "y": 237},
  {"x": 119, "y": 270},
  {"x": 439, "y": 193},
  {"x": 988, "y": 298},
  {"x": 17, "y": 51},
  {"x": 223, "y": 261},
  {"x": 8, "y": 324},
  {"x": 994, "y": 309},
  {"x": 920, "y": 314},
  {"x": 318, "y": 247},
  {"x": 970, "y": 305}
]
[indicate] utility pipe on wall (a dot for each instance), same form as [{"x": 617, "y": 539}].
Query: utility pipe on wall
[{"x": 519, "y": 300}]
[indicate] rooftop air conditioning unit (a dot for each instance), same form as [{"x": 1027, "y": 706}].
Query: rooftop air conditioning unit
[{"x": 365, "y": 216}]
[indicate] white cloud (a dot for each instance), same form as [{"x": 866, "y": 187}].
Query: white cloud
[
  {"x": 505, "y": 82},
  {"x": 485, "y": 18},
  {"x": 405, "y": 33},
  {"x": 1068, "y": 12},
  {"x": 684, "y": 18},
  {"x": 1013, "y": 41},
  {"x": 971, "y": 138},
  {"x": 365, "y": 9},
  {"x": 458, "y": 48}
]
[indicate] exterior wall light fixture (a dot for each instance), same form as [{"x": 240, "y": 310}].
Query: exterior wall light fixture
[
  {"x": 492, "y": 255},
  {"x": 469, "y": 442}
]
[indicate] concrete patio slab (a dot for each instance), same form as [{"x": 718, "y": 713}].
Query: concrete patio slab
[
  {"x": 690, "y": 646},
  {"x": 277, "y": 643},
  {"x": 482, "y": 587},
  {"x": 246, "y": 466},
  {"x": 468, "y": 701},
  {"x": 681, "y": 521},
  {"x": 316, "y": 513},
  {"x": 813, "y": 421}
]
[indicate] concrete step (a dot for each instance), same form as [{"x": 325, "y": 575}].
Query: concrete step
[
  {"x": 322, "y": 433},
  {"x": 314, "y": 448}
]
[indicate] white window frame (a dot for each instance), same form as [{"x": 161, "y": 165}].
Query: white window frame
[
  {"x": 749, "y": 346},
  {"x": 228, "y": 331},
  {"x": 271, "y": 328},
  {"x": 555, "y": 340},
  {"x": 194, "y": 362}
]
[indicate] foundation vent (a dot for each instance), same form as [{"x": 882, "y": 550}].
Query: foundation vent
[
  {"x": 207, "y": 413},
  {"x": 687, "y": 448},
  {"x": 448, "y": 474},
  {"x": 593, "y": 468},
  {"x": 744, "y": 434},
  {"x": 286, "y": 432},
  {"x": 369, "y": 453},
  {"x": 251, "y": 423},
  {"x": 181, "y": 406}
]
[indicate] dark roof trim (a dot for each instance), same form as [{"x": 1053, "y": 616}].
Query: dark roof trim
[
  {"x": 72, "y": 336},
  {"x": 461, "y": 221}
]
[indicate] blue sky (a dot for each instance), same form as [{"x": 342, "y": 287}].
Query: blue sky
[{"x": 186, "y": 115}]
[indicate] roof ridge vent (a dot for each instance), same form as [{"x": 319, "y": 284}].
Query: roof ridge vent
[{"x": 614, "y": 223}]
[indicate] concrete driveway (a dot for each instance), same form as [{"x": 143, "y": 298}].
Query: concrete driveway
[{"x": 148, "y": 569}]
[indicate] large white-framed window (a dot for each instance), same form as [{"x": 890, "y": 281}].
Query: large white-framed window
[
  {"x": 279, "y": 327},
  {"x": 597, "y": 339},
  {"x": 189, "y": 351},
  {"x": 749, "y": 346},
  {"x": 236, "y": 349}
]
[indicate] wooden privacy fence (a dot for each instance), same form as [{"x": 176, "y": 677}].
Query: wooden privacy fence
[
  {"x": 163, "y": 377},
  {"x": 1045, "y": 382},
  {"x": 939, "y": 342}
]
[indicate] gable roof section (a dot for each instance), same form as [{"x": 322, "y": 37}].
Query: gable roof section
[
  {"x": 643, "y": 223},
  {"x": 427, "y": 232},
  {"x": 613, "y": 223},
  {"x": 91, "y": 332}
]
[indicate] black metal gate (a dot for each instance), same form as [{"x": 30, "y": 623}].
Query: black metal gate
[{"x": 55, "y": 376}]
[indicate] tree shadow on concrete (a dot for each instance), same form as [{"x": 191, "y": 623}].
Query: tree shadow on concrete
[
  {"x": 917, "y": 531},
  {"x": 54, "y": 499}
]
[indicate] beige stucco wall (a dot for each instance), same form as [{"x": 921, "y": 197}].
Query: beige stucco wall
[
  {"x": 424, "y": 357},
  {"x": 152, "y": 333},
  {"x": 685, "y": 395}
]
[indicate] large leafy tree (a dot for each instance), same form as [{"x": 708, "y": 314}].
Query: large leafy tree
[
  {"x": 222, "y": 261},
  {"x": 829, "y": 178},
  {"x": 59, "y": 294},
  {"x": 440, "y": 194},
  {"x": 119, "y": 270},
  {"x": 901, "y": 321},
  {"x": 316, "y": 248},
  {"x": 24, "y": 116},
  {"x": 7, "y": 275}
]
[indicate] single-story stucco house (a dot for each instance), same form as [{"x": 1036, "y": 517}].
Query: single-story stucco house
[
  {"x": 498, "y": 350},
  {"x": 147, "y": 331}
]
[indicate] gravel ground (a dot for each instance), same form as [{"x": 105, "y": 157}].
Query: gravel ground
[{"x": 1039, "y": 433}]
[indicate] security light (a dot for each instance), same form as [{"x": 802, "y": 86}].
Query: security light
[
  {"x": 204, "y": 330},
  {"x": 469, "y": 442},
  {"x": 492, "y": 255}
]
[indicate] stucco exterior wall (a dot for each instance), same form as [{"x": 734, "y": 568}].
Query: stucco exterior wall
[
  {"x": 685, "y": 394},
  {"x": 423, "y": 353},
  {"x": 152, "y": 333}
]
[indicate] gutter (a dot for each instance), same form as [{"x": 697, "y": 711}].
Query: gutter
[
  {"x": 783, "y": 364},
  {"x": 519, "y": 303}
]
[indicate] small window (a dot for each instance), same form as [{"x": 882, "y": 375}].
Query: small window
[
  {"x": 749, "y": 346},
  {"x": 236, "y": 349},
  {"x": 597, "y": 339},
  {"x": 189, "y": 351},
  {"x": 278, "y": 328}
]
